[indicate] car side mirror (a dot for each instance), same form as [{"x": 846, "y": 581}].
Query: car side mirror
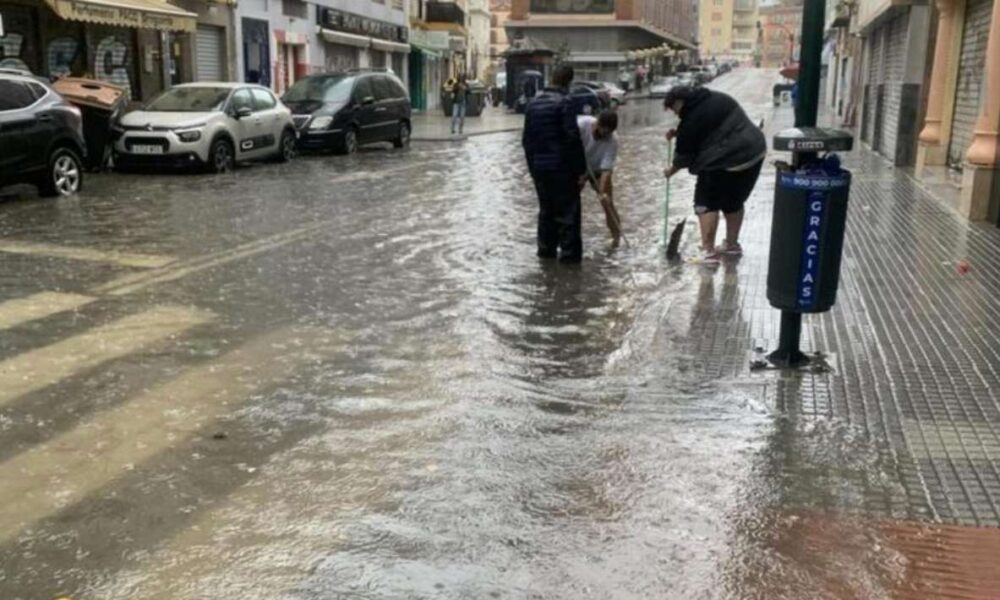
[
  {"x": 243, "y": 111},
  {"x": 367, "y": 100}
]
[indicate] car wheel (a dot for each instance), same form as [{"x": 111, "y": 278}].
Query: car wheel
[
  {"x": 403, "y": 138},
  {"x": 349, "y": 145},
  {"x": 288, "y": 149},
  {"x": 220, "y": 158},
  {"x": 64, "y": 176}
]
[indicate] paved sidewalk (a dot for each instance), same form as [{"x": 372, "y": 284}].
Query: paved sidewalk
[
  {"x": 907, "y": 425},
  {"x": 433, "y": 126}
]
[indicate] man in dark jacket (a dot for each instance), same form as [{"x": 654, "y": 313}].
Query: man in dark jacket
[
  {"x": 717, "y": 142},
  {"x": 555, "y": 158}
]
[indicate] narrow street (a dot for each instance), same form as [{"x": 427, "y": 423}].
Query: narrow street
[{"x": 350, "y": 377}]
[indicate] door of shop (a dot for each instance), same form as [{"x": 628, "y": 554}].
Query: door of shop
[
  {"x": 970, "y": 79},
  {"x": 256, "y": 52},
  {"x": 417, "y": 91},
  {"x": 210, "y": 50}
]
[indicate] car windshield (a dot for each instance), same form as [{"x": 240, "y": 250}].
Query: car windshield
[
  {"x": 321, "y": 89},
  {"x": 190, "y": 99}
]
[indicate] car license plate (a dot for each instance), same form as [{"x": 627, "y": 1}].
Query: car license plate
[{"x": 145, "y": 149}]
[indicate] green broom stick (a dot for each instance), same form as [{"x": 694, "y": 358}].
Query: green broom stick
[{"x": 666, "y": 196}]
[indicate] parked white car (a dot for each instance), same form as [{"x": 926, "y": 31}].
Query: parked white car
[
  {"x": 208, "y": 125},
  {"x": 662, "y": 85},
  {"x": 616, "y": 94}
]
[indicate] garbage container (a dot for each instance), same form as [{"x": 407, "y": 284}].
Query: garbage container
[
  {"x": 100, "y": 104},
  {"x": 810, "y": 215},
  {"x": 475, "y": 99}
]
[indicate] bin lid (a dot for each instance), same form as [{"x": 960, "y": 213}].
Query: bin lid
[
  {"x": 89, "y": 92},
  {"x": 813, "y": 139}
]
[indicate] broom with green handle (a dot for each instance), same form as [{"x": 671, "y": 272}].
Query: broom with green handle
[{"x": 672, "y": 239}]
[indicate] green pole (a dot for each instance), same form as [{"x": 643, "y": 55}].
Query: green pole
[{"x": 810, "y": 59}]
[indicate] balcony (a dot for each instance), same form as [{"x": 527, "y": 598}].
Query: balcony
[{"x": 445, "y": 12}]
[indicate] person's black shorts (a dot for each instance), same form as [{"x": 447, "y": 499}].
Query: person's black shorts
[{"x": 724, "y": 190}]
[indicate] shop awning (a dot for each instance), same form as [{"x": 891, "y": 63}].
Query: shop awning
[
  {"x": 141, "y": 14},
  {"x": 428, "y": 52},
  {"x": 385, "y": 46},
  {"x": 345, "y": 39}
]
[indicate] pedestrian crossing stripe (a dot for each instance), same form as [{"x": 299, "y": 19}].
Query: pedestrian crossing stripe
[
  {"x": 48, "y": 477},
  {"x": 38, "y": 306},
  {"x": 36, "y": 369},
  {"x": 125, "y": 259}
]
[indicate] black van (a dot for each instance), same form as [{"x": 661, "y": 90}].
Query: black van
[{"x": 341, "y": 111}]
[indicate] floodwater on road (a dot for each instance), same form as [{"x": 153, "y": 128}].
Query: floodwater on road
[{"x": 350, "y": 377}]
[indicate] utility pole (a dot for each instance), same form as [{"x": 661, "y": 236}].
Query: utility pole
[{"x": 810, "y": 58}]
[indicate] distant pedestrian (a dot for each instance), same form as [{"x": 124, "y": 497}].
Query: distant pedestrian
[
  {"x": 638, "y": 80},
  {"x": 459, "y": 93},
  {"x": 623, "y": 79},
  {"x": 600, "y": 146},
  {"x": 717, "y": 142},
  {"x": 556, "y": 161}
]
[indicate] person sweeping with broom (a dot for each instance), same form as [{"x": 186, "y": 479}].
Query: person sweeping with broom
[
  {"x": 725, "y": 149},
  {"x": 600, "y": 145}
]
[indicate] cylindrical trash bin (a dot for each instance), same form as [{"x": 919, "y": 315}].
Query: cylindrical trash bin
[
  {"x": 475, "y": 99},
  {"x": 447, "y": 99},
  {"x": 807, "y": 237}
]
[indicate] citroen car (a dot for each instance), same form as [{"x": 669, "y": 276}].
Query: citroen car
[
  {"x": 41, "y": 136},
  {"x": 342, "y": 111},
  {"x": 208, "y": 125}
]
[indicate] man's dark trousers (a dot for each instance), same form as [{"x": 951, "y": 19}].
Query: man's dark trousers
[{"x": 558, "y": 216}]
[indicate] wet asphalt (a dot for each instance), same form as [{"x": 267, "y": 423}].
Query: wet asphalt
[{"x": 350, "y": 377}]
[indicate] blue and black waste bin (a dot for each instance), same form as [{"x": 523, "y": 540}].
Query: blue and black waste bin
[{"x": 807, "y": 230}]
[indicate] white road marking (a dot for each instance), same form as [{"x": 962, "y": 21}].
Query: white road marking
[
  {"x": 125, "y": 259},
  {"x": 44, "y": 304},
  {"x": 128, "y": 284},
  {"x": 48, "y": 477},
  {"x": 33, "y": 370}
]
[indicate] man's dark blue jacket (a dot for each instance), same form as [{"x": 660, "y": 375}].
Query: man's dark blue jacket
[{"x": 551, "y": 138}]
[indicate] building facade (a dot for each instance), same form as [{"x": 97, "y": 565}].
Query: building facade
[
  {"x": 728, "y": 30},
  {"x": 959, "y": 131},
  {"x": 282, "y": 41},
  {"x": 478, "y": 47},
  {"x": 143, "y": 47},
  {"x": 778, "y": 33},
  {"x": 599, "y": 37},
  {"x": 499, "y": 43}
]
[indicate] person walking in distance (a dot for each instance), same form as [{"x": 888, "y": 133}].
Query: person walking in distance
[
  {"x": 721, "y": 145},
  {"x": 459, "y": 92},
  {"x": 555, "y": 157}
]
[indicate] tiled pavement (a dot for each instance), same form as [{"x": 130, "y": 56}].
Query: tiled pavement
[{"x": 906, "y": 424}]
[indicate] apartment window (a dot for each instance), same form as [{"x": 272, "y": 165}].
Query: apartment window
[
  {"x": 716, "y": 16},
  {"x": 295, "y": 8},
  {"x": 717, "y": 2},
  {"x": 716, "y": 32}
]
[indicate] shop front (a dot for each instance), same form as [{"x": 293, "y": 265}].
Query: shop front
[
  {"x": 352, "y": 41},
  {"x": 427, "y": 64},
  {"x": 121, "y": 41}
]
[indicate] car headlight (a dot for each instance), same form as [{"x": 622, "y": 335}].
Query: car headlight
[
  {"x": 189, "y": 136},
  {"x": 321, "y": 122}
]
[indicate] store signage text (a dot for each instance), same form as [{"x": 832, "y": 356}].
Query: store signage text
[
  {"x": 120, "y": 16},
  {"x": 809, "y": 261},
  {"x": 339, "y": 20}
]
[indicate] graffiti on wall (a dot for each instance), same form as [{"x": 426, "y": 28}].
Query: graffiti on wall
[
  {"x": 111, "y": 63},
  {"x": 62, "y": 55},
  {"x": 11, "y": 46}
]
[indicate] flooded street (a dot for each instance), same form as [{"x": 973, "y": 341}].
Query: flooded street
[{"x": 351, "y": 377}]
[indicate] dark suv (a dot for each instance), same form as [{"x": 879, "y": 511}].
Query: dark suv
[
  {"x": 41, "y": 136},
  {"x": 341, "y": 111}
]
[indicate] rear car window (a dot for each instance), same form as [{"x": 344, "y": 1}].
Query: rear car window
[
  {"x": 15, "y": 95},
  {"x": 363, "y": 89},
  {"x": 383, "y": 89},
  {"x": 263, "y": 100},
  {"x": 398, "y": 87}
]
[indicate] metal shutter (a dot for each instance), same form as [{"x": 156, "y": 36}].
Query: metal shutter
[
  {"x": 968, "y": 92},
  {"x": 209, "y": 53}
]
